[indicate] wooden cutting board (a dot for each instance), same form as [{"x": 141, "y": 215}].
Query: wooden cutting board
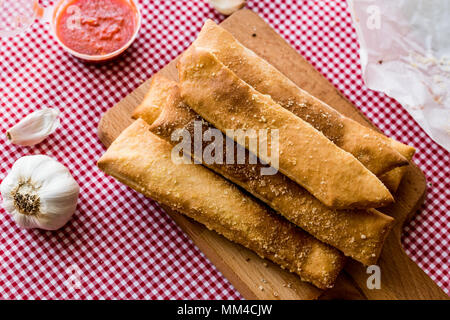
[{"x": 254, "y": 277}]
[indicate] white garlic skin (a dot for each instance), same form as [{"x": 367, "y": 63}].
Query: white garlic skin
[
  {"x": 50, "y": 182},
  {"x": 227, "y": 7},
  {"x": 34, "y": 128}
]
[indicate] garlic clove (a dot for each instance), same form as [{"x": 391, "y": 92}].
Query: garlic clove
[
  {"x": 34, "y": 128},
  {"x": 227, "y": 7},
  {"x": 39, "y": 192}
]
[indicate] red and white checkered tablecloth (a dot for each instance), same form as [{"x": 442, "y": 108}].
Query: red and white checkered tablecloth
[{"x": 120, "y": 244}]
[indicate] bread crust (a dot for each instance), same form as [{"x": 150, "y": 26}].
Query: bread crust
[
  {"x": 306, "y": 156},
  {"x": 143, "y": 161},
  {"x": 392, "y": 179},
  {"x": 149, "y": 109}
]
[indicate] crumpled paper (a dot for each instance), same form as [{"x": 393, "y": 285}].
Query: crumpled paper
[{"x": 405, "y": 53}]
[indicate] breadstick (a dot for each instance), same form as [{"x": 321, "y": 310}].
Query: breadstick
[
  {"x": 306, "y": 156},
  {"x": 359, "y": 234},
  {"x": 373, "y": 149},
  {"x": 143, "y": 161}
]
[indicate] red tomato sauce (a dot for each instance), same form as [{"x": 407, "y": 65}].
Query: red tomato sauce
[{"x": 96, "y": 27}]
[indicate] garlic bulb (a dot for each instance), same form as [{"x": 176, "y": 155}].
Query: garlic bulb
[
  {"x": 39, "y": 192},
  {"x": 227, "y": 7},
  {"x": 34, "y": 128}
]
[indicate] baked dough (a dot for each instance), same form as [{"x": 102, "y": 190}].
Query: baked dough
[
  {"x": 148, "y": 109},
  {"x": 143, "y": 161},
  {"x": 373, "y": 149},
  {"x": 359, "y": 234},
  {"x": 306, "y": 156},
  {"x": 393, "y": 178}
]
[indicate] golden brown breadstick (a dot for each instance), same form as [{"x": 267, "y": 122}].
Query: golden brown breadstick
[
  {"x": 306, "y": 156},
  {"x": 358, "y": 234},
  {"x": 392, "y": 179},
  {"x": 373, "y": 149},
  {"x": 143, "y": 161},
  {"x": 148, "y": 109}
]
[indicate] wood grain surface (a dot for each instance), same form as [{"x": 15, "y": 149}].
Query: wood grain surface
[{"x": 254, "y": 277}]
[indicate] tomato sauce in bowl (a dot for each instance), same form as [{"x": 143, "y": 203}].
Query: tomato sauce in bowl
[{"x": 96, "y": 29}]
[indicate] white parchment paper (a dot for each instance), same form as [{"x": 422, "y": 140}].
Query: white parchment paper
[{"x": 405, "y": 53}]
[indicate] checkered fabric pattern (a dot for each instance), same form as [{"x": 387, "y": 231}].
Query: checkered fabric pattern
[{"x": 120, "y": 245}]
